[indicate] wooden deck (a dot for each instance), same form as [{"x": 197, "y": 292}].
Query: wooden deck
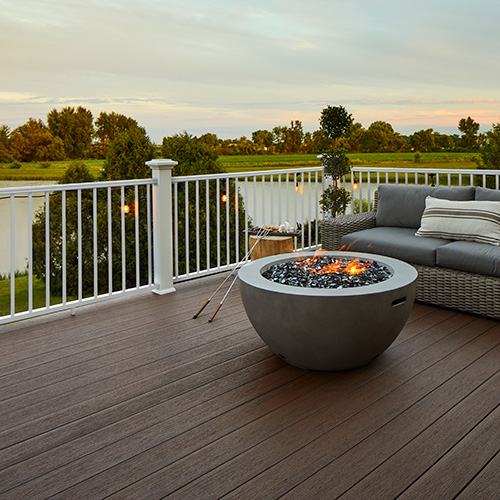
[{"x": 135, "y": 399}]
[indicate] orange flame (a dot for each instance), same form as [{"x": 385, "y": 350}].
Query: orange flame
[
  {"x": 308, "y": 262},
  {"x": 334, "y": 267},
  {"x": 355, "y": 268},
  {"x": 337, "y": 266}
]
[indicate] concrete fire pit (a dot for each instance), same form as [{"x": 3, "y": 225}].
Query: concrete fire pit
[{"x": 328, "y": 329}]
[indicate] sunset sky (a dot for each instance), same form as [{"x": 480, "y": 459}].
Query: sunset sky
[{"x": 231, "y": 67}]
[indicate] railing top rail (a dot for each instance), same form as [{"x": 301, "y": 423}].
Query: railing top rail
[
  {"x": 420, "y": 170},
  {"x": 239, "y": 175},
  {"x": 75, "y": 186}
]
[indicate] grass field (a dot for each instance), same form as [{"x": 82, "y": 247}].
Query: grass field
[
  {"x": 47, "y": 171},
  {"x": 390, "y": 160},
  {"x": 22, "y": 295},
  {"x": 54, "y": 170}
]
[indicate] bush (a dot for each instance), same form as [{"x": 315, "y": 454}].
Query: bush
[{"x": 364, "y": 205}]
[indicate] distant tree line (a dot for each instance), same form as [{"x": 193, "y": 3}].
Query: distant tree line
[
  {"x": 379, "y": 137},
  {"x": 69, "y": 134},
  {"x": 73, "y": 134}
]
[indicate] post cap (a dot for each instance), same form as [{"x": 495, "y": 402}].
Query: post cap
[{"x": 161, "y": 163}]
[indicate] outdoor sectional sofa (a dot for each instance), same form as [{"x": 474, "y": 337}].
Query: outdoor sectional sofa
[{"x": 456, "y": 251}]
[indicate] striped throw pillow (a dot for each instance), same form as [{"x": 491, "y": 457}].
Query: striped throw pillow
[{"x": 461, "y": 220}]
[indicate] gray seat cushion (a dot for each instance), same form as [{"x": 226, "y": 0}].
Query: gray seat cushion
[
  {"x": 403, "y": 206},
  {"x": 398, "y": 242},
  {"x": 472, "y": 257}
]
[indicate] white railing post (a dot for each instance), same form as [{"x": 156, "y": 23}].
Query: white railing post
[{"x": 162, "y": 224}]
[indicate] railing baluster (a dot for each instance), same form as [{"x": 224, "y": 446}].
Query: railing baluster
[
  {"x": 124, "y": 269},
  {"x": 47, "y": 250},
  {"x": 217, "y": 201},
  {"x": 228, "y": 224},
  {"x": 148, "y": 223},
  {"x": 264, "y": 218},
  {"x": 287, "y": 179},
  {"x": 80, "y": 257},
  {"x": 302, "y": 215},
  {"x": 94, "y": 229},
  {"x": 137, "y": 256},
  {"x": 246, "y": 215},
  {"x": 360, "y": 194},
  {"x": 369, "y": 197},
  {"x": 110, "y": 243},
  {"x": 236, "y": 221},
  {"x": 309, "y": 232},
  {"x": 207, "y": 220},
  {"x": 255, "y": 221},
  {"x": 316, "y": 204},
  {"x": 30, "y": 252},
  {"x": 280, "y": 218},
  {"x": 197, "y": 203},
  {"x": 12, "y": 255},
  {"x": 186, "y": 221},
  {"x": 271, "y": 200}
]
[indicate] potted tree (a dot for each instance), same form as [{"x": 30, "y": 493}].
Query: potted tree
[{"x": 335, "y": 198}]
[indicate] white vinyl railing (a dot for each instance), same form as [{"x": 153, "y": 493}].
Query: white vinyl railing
[
  {"x": 212, "y": 214},
  {"x": 92, "y": 241},
  {"x": 368, "y": 178},
  {"x": 81, "y": 244},
  {"x": 74, "y": 244}
]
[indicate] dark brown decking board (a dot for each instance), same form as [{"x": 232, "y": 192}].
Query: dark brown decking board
[
  {"x": 135, "y": 399},
  {"x": 332, "y": 432},
  {"x": 486, "y": 484}
]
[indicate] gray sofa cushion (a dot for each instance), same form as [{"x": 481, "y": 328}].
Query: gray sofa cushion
[
  {"x": 398, "y": 242},
  {"x": 478, "y": 258},
  {"x": 403, "y": 206},
  {"x": 485, "y": 194}
]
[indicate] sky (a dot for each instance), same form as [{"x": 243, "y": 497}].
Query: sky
[{"x": 231, "y": 67}]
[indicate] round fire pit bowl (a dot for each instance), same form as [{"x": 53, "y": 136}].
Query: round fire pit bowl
[{"x": 324, "y": 328}]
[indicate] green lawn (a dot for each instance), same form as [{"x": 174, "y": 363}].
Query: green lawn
[
  {"x": 389, "y": 160},
  {"x": 54, "y": 170},
  {"x": 22, "y": 295},
  {"x": 47, "y": 171}
]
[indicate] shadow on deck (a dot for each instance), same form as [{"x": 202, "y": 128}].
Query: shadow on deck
[{"x": 135, "y": 399}]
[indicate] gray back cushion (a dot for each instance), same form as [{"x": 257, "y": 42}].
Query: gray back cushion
[
  {"x": 485, "y": 194},
  {"x": 403, "y": 206}
]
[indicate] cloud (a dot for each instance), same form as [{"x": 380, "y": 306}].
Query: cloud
[{"x": 247, "y": 65}]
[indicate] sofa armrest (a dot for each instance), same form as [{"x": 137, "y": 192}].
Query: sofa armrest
[{"x": 332, "y": 230}]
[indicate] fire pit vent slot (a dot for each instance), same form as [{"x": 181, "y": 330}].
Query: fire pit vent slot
[{"x": 398, "y": 302}]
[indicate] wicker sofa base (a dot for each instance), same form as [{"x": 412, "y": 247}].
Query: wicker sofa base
[{"x": 467, "y": 292}]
